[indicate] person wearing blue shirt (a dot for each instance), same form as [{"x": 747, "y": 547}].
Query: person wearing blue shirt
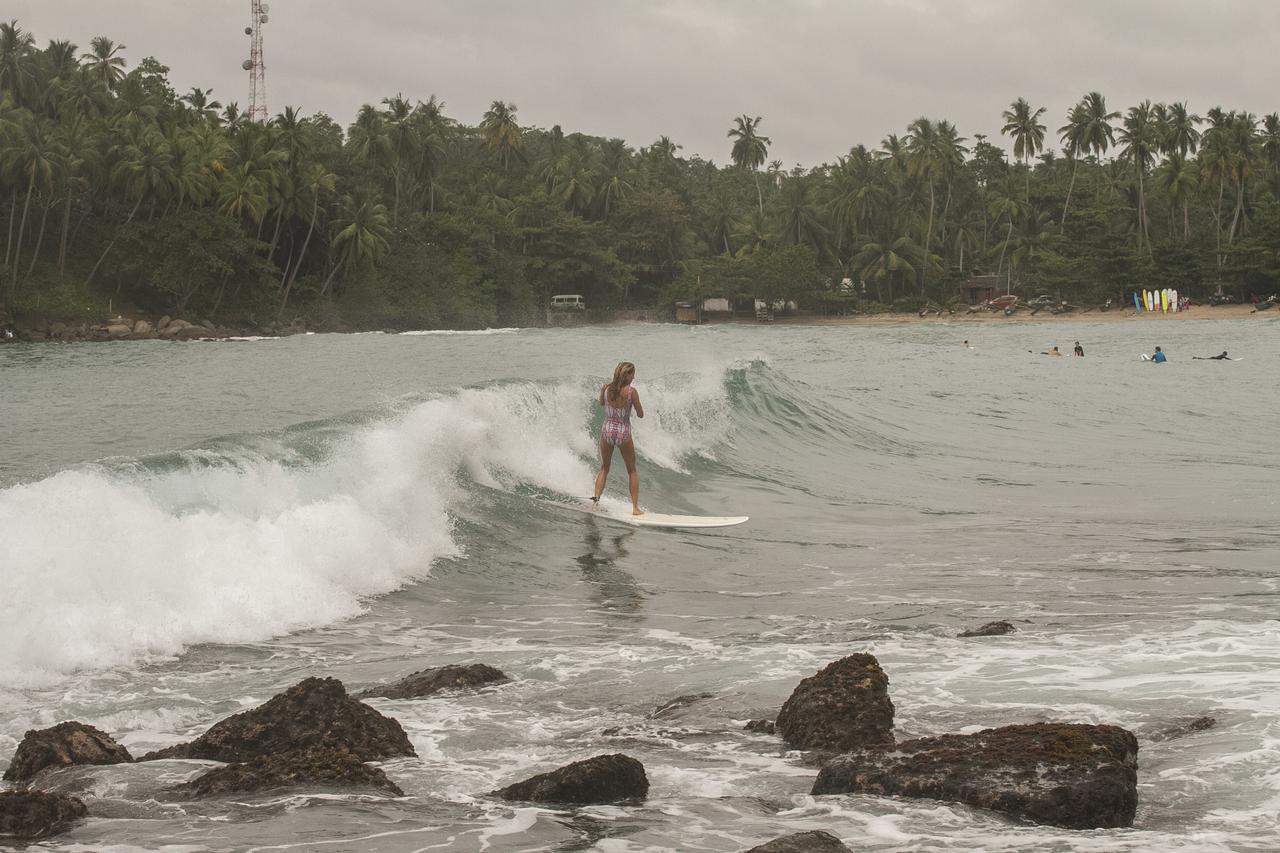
[{"x": 1158, "y": 357}]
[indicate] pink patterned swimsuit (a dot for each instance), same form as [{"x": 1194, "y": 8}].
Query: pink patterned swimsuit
[{"x": 617, "y": 419}]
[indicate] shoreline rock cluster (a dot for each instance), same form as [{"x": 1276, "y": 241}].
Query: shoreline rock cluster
[
  {"x": 130, "y": 329},
  {"x": 1071, "y": 775}
]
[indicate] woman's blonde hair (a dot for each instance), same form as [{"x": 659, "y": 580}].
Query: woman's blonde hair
[{"x": 624, "y": 371}]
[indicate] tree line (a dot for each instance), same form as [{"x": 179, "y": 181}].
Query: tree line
[{"x": 114, "y": 186}]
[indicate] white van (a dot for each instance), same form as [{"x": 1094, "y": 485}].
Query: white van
[{"x": 568, "y": 302}]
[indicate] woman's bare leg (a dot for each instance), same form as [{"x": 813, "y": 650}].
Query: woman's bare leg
[
  {"x": 606, "y": 456},
  {"x": 628, "y": 449}
]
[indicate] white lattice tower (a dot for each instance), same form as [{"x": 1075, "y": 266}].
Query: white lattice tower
[{"x": 256, "y": 65}]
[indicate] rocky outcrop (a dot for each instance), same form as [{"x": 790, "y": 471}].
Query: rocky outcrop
[
  {"x": 29, "y": 815},
  {"x": 763, "y": 727},
  {"x": 667, "y": 709},
  {"x": 991, "y": 629},
  {"x": 315, "y": 713},
  {"x": 1184, "y": 728},
  {"x": 843, "y": 707},
  {"x": 816, "y": 841},
  {"x": 61, "y": 746},
  {"x": 329, "y": 768},
  {"x": 430, "y": 681},
  {"x": 1064, "y": 774},
  {"x": 602, "y": 779}
]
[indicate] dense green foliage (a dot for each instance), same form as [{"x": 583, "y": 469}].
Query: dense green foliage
[{"x": 114, "y": 186}]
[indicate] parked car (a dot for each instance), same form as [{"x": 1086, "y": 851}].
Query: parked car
[{"x": 568, "y": 302}]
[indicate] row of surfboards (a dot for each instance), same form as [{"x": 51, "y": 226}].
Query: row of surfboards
[{"x": 1164, "y": 301}]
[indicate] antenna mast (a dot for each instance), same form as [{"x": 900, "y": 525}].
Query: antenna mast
[{"x": 254, "y": 64}]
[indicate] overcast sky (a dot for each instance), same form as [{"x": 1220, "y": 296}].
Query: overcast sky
[{"x": 825, "y": 75}]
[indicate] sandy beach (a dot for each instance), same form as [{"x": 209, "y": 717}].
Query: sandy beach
[{"x": 961, "y": 318}]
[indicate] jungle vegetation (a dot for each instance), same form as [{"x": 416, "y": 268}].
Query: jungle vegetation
[{"x": 114, "y": 186}]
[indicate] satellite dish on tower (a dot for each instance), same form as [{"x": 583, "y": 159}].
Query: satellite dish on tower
[
  {"x": 248, "y": 31},
  {"x": 264, "y": 19},
  {"x": 266, "y": 7},
  {"x": 247, "y": 64}
]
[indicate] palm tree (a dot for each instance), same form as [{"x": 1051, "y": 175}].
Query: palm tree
[
  {"x": 102, "y": 60},
  {"x": 800, "y": 219},
  {"x": 317, "y": 181},
  {"x": 501, "y": 131},
  {"x": 144, "y": 170},
  {"x": 1178, "y": 178},
  {"x": 1024, "y": 127},
  {"x": 1074, "y": 142},
  {"x": 31, "y": 154},
  {"x": 749, "y": 149},
  {"x": 1181, "y": 136},
  {"x": 614, "y": 173},
  {"x": 360, "y": 236},
  {"x": 1097, "y": 133},
  {"x": 927, "y": 152},
  {"x": 205, "y": 108},
  {"x": 1003, "y": 203},
  {"x": 402, "y": 143},
  {"x": 16, "y": 46},
  {"x": 77, "y": 142},
  {"x": 1139, "y": 138}
]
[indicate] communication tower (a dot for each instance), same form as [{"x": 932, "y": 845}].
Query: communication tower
[{"x": 254, "y": 64}]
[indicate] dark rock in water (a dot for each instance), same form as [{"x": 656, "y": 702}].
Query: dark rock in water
[
  {"x": 991, "y": 629},
  {"x": 1064, "y": 774},
  {"x": 63, "y": 745},
  {"x": 316, "y": 712},
  {"x": 330, "y": 768},
  {"x": 602, "y": 779},
  {"x": 1182, "y": 729},
  {"x": 677, "y": 703},
  {"x": 430, "y": 681},
  {"x": 816, "y": 841},
  {"x": 36, "y": 814},
  {"x": 764, "y": 727},
  {"x": 843, "y": 707}
]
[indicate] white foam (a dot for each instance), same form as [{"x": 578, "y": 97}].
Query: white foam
[
  {"x": 109, "y": 564},
  {"x": 502, "y": 331}
]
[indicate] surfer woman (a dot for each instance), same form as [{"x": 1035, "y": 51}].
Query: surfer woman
[{"x": 618, "y": 399}]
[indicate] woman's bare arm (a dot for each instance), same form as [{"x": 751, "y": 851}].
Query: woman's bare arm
[{"x": 635, "y": 399}]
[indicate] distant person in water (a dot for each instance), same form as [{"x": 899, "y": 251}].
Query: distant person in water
[
  {"x": 1158, "y": 356},
  {"x": 966, "y": 345},
  {"x": 1079, "y": 350},
  {"x": 1223, "y": 357},
  {"x": 1053, "y": 351},
  {"x": 618, "y": 398}
]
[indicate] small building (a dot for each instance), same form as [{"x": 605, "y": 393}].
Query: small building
[
  {"x": 981, "y": 288},
  {"x": 687, "y": 312}
]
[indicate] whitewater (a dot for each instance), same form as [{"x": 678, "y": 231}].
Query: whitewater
[{"x": 190, "y": 528}]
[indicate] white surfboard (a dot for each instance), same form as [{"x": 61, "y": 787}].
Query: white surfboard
[{"x": 621, "y": 513}]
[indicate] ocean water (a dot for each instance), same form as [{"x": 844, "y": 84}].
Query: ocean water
[{"x": 187, "y": 529}]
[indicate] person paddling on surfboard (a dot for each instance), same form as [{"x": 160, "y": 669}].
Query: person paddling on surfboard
[
  {"x": 618, "y": 398},
  {"x": 1223, "y": 357}
]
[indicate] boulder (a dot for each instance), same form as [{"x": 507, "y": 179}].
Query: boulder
[
  {"x": 208, "y": 324},
  {"x": 190, "y": 333},
  {"x": 816, "y": 841},
  {"x": 1184, "y": 728},
  {"x": 429, "y": 681},
  {"x": 991, "y": 629},
  {"x": 164, "y": 321},
  {"x": 764, "y": 727},
  {"x": 316, "y": 712},
  {"x": 171, "y": 329},
  {"x": 1064, "y": 774},
  {"x": 843, "y": 707},
  {"x": 61, "y": 746},
  {"x": 58, "y": 330},
  {"x": 602, "y": 779},
  {"x": 36, "y": 814},
  {"x": 330, "y": 768},
  {"x": 667, "y": 709},
  {"x": 119, "y": 330},
  {"x": 142, "y": 327}
]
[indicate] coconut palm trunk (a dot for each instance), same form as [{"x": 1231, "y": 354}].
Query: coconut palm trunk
[
  {"x": 1075, "y": 165},
  {"x": 110, "y": 245},
  {"x": 293, "y": 272},
  {"x": 66, "y": 231},
  {"x": 44, "y": 219},
  {"x": 17, "y": 249},
  {"x": 13, "y": 215}
]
